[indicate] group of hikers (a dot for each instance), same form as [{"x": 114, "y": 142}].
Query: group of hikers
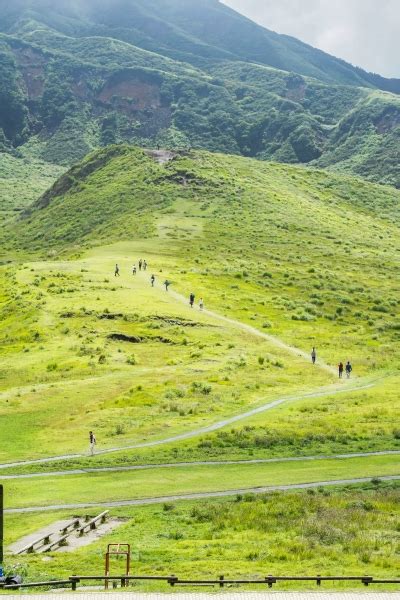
[
  {"x": 143, "y": 267},
  {"x": 341, "y": 367}
]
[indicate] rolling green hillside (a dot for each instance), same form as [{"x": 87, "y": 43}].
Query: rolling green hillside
[
  {"x": 219, "y": 400},
  {"x": 235, "y": 161},
  {"x": 71, "y": 82},
  {"x": 273, "y": 246}
]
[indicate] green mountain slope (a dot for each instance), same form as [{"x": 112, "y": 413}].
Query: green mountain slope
[
  {"x": 118, "y": 192},
  {"x": 193, "y": 31},
  {"x": 73, "y": 80},
  {"x": 303, "y": 255}
]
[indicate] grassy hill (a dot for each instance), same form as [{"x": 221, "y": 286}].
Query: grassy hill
[
  {"x": 272, "y": 246},
  {"x": 74, "y": 81},
  {"x": 285, "y": 258}
]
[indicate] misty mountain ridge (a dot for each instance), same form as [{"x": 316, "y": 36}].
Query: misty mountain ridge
[{"x": 78, "y": 75}]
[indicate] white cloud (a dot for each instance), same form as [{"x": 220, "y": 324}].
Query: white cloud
[{"x": 363, "y": 32}]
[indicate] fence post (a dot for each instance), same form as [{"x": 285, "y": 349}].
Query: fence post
[
  {"x": 319, "y": 579},
  {"x": 221, "y": 581},
  {"x": 73, "y": 583},
  {"x": 270, "y": 580}
]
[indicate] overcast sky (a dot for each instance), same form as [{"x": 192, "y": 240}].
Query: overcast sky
[{"x": 363, "y": 32}]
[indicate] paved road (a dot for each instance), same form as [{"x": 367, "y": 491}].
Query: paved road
[
  {"x": 325, "y": 391},
  {"x": 199, "y": 495},
  {"x": 361, "y": 595},
  {"x": 200, "y": 463}
]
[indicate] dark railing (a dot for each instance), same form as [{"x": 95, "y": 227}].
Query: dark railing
[{"x": 172, "y": 580}]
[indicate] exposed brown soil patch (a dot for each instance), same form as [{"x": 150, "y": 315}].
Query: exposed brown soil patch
[{"x": 133, "y": 339}]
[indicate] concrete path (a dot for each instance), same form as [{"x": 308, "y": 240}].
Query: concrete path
[
  {"x": 199, "y": 495},
  {"x": 200, "y": 463},
  {"x": 265, "y": 595},
  {"x": 325, "y": 391}
]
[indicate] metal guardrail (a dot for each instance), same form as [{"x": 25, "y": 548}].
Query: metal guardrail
[{"x": 221, "y": 581}]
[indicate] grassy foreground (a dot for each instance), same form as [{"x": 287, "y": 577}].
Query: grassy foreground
[{"x": 351, "y": 531}]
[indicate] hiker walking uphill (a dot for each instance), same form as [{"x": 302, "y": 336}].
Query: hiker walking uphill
[
  {"x": 140, "y": 264},
  {"x": 152, "y": 279},
  {"x": 201, "y": 304},
  {"x": 341, "y": 369},
  {"x": 92, "y": 442},
  {"x": 191, "y": 299},
  {"x": 134, "y": 270},
  {"x": 349, "y": 369},
  {"x": 167, "y": 284},
  {"x": 144, "y": 265},
  {"x": 313, "y": 356},
  {"x": 116, "y": 272}
]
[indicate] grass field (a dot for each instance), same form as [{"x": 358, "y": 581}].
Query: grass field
[
  {"x": 106, "y": 487},
  {"x": 285, "y": 259},
  {"x": 23, "y": 180},
  {"x": 351, "y": 531}
]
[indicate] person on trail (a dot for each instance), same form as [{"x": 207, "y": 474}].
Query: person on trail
[
  {"x": 144, "y": 265},
  {"x": 140, "y": 264},
  {"x": 341, "y": 368},
  {"x": 152, "y": 279},
  {"x": 116, "y": 274},
  {"x": 313, "y": 356},
  {"x": 349, "y": 369},
  {"x": 167, "y": 284},
  {"x": 134, "y": 270},
  {"x": 191, "y": 299},
  {"x": 92, "y": 442},
  {"x": 201, "y": 304}
]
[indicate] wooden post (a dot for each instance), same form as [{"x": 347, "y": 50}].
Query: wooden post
[{"x": 221, "y": 581}]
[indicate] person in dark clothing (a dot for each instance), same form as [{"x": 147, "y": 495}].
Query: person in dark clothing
[
  {"x": 349, "y": 369},
  {"x": 313, "y": 356},
  {"x": 92, "y": 442},
  {"x": 167, "y": 284},
  {"x": 152, "y": 279},
  {"x": 140, "y": 264},
  {"x": 144, "y": 265},
  {"x": 341, "y": 369},
  {"x": 116, "y": 273},
  {"x": 191, "y": 300},
  {"x": 134, "y": 270}
]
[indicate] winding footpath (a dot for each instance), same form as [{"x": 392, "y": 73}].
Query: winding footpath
[
  {"x": 200, "y": 463},
  {"x": 330, "y": 390},
  {"x": 257, "y": 333},
  {"x": 198, "y": 495}
]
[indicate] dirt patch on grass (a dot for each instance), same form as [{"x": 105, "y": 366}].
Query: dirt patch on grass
[
  {"x": 133, "y": 339},
  {"x": 179, "y": 322}
]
